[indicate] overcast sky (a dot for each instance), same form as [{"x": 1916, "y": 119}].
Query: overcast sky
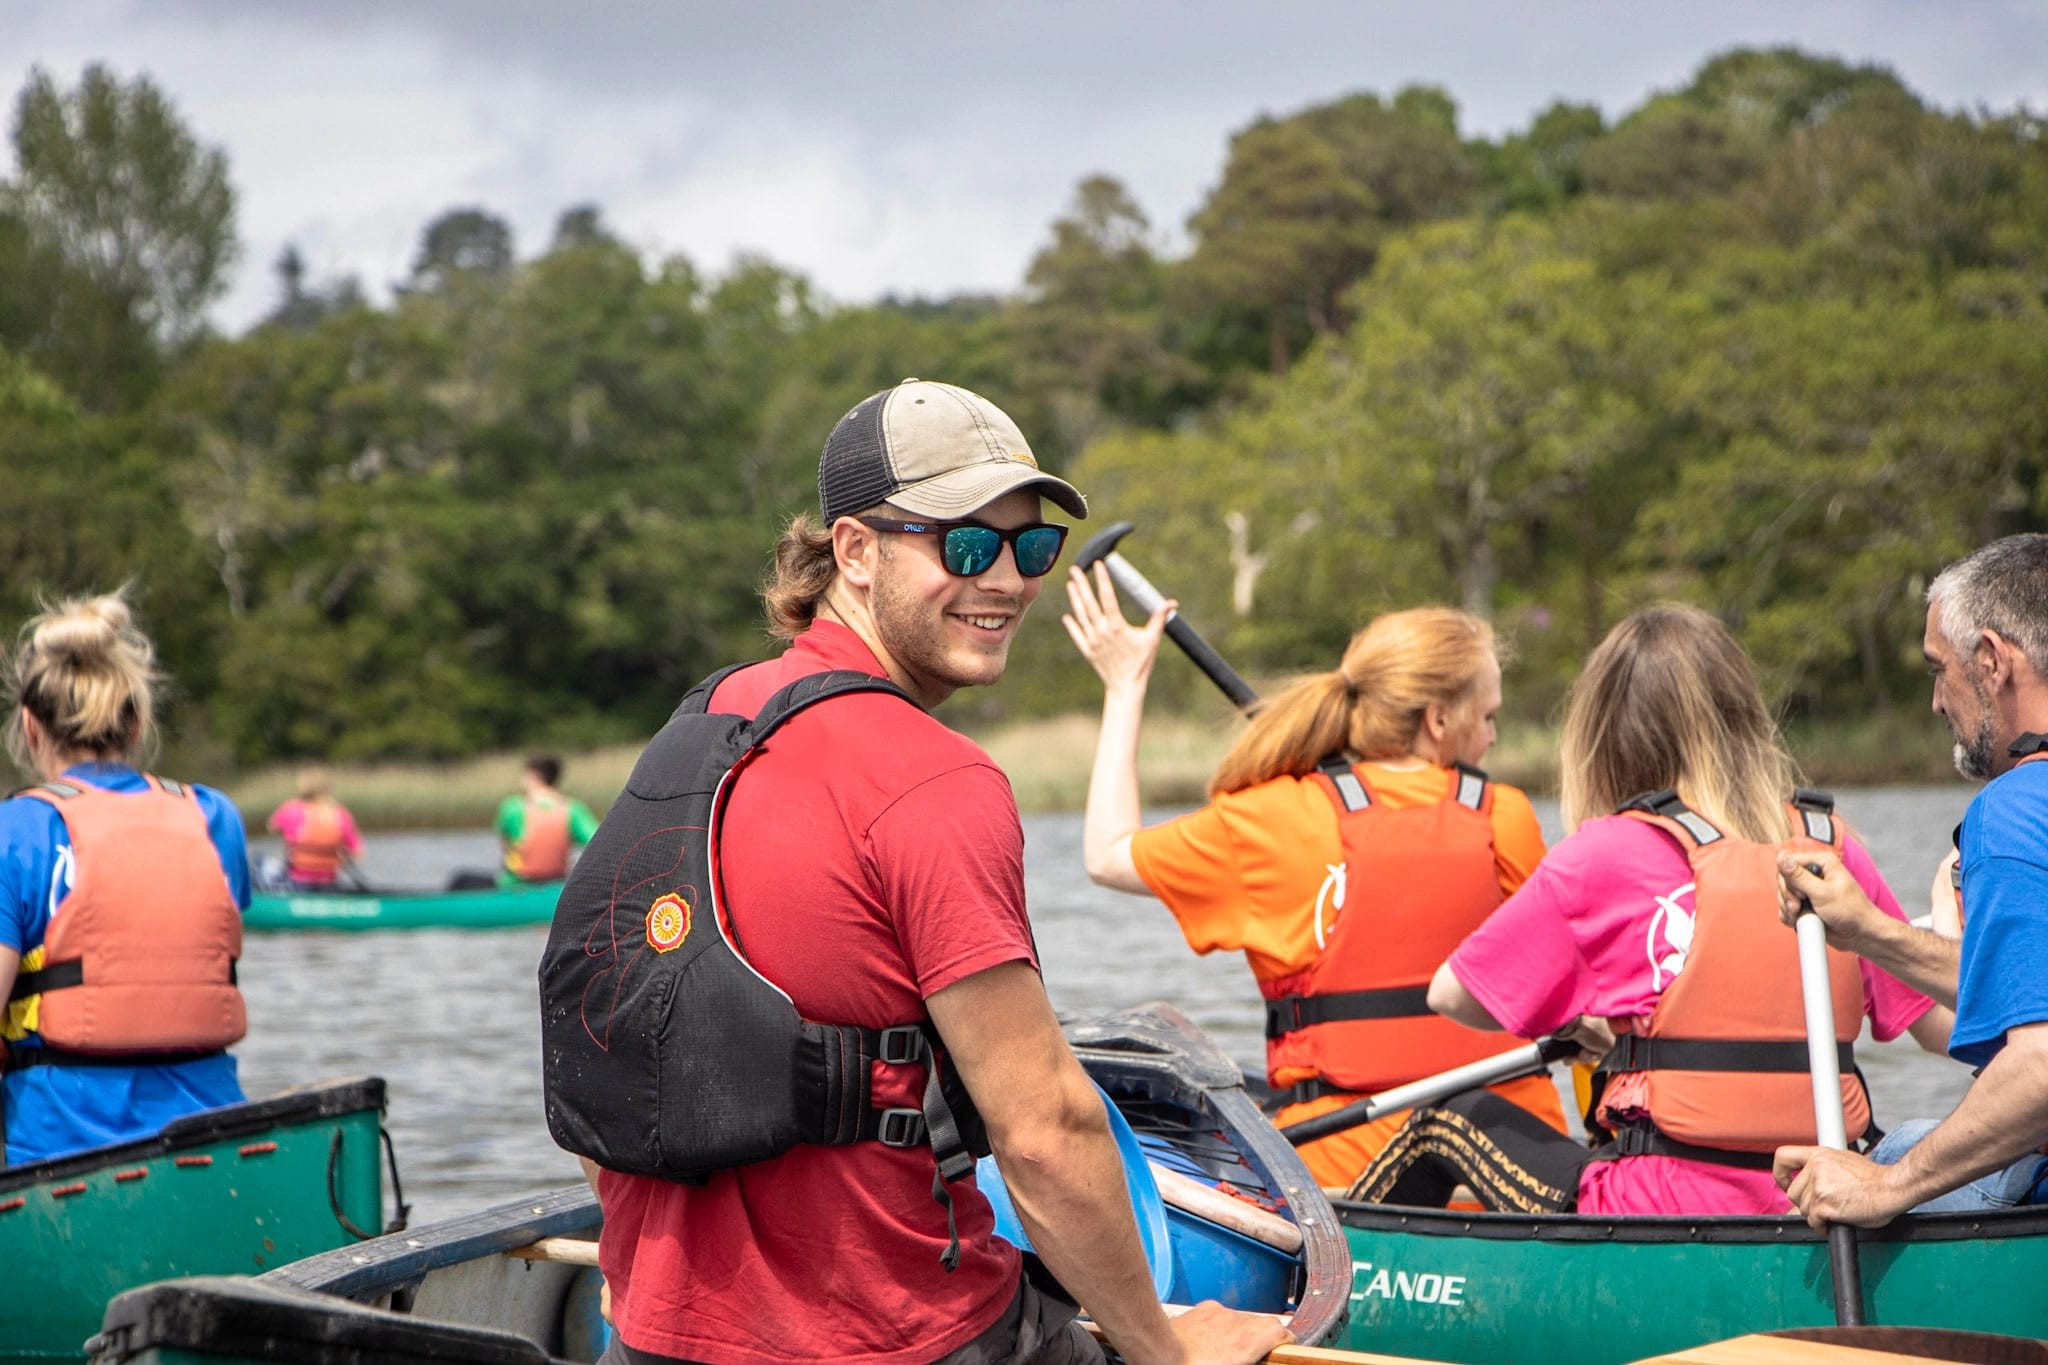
[{"x": 919, "y": 148}]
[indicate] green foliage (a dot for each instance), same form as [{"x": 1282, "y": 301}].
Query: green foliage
[
  {"x": 112, "y": 181},
  {"x": 1775, "y": 342}
]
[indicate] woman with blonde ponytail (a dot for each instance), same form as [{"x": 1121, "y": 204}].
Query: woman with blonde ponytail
[
  {"x": 1658, "y": 913},
  {"x": 120, "y": 901},
  {"x": 1350, "y": 842}
]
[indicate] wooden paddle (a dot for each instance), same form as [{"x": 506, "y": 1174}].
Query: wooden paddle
[
  {"x": 1523, "y": 1061},
  {"x": 1825, "y": 1065},
  {"x": 1295, "y": 1355}
]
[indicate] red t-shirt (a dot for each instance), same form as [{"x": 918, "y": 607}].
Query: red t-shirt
[{"x": 870, "y": 857}]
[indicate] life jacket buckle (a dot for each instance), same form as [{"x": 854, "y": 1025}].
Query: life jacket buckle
[
  {"x": 901, "y": 1128},
  {"x": 902, "y": 1044}
]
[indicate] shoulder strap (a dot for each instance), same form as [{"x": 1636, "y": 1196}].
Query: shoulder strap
[
  {"x": 49, "y": 791},
  {"x": 808, "y": 691},
  {"x": 1471, "y": 789},
  {"x": 2028, "y": 745},
  {"x": 1665, "y": 806},
  {"x": 1815, "y": 813},
  {"x": 697, "y": 700},
  {"x": 1351, "y": 793}
]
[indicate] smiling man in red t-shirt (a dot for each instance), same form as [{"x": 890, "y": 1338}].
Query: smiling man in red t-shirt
[{"x": 871, "y": 863}]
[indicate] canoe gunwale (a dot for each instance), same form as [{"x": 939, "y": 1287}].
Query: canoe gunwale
[
  {"x": 293, "y": 1108},
  {"x": 1788, "y": 1229},
  {"x": 399, "y": 1260},
  {"x": 1156, "y": 1053}
]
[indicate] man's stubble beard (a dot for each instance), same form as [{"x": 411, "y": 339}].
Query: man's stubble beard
[
  {"x": 912, "y": 630},
  {"x": 1974, "y": 756}
]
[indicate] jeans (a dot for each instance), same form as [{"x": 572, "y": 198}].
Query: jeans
[{"x": 2023, "y": 1182}]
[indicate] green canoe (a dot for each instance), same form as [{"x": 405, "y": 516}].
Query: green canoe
[
  {"x": 1591, "y": 1291},
  {"x": 490, "y": 907},
  {"x": 235, "y": 1190}
]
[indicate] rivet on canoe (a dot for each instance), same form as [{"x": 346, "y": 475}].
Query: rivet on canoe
[
  {"x": 192, "y": 1161},
  {"x": 257, "y": 1149},
  {"x": 121, "y": 1177},
  {"x": 66, "y": 1191},
  {"x": 11, "y": 1205}
]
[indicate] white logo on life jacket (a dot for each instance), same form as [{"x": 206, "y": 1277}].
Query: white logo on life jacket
[
  {"x": 1426, "y": 1287},
  {"x": 1332, "y": 891},
  {"x": 1672, "y": 923}
]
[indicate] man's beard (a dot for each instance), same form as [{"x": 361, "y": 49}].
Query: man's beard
[{"x": 1975, "y": 755}]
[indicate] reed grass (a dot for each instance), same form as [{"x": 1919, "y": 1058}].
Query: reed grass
[{"x": 1048, "y": 761}]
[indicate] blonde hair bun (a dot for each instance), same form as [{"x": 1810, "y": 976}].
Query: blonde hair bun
[{"x": 88, "y": 676}]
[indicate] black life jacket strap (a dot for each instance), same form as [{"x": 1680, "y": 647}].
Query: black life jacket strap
[
  {"x": 1634, "y": 1052},
  {"x": 933, "y": 1123},
  {"x": 1352, "y": 794},
  {"x": 27, "y": 1058},
  {"x": 1642, "y": 1138},
  {"x": 1471, "y": 789},
  {"x": 55, "y": 977},
  {"x": 1292, "y": 1012},
  {"x": 1817, "y": 812},
  {"x": 1667, "y": 804},
  {"x": 2027, "y": 745}
]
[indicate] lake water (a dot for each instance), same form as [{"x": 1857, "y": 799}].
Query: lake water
[{"x": 451, "y": 1019}]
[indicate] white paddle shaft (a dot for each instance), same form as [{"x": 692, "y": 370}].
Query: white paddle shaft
[{"x": 1822, "y": 1058}]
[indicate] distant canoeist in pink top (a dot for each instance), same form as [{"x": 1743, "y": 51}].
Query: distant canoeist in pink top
[{"x": 320, "y": 836}]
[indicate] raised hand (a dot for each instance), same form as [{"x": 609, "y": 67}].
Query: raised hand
[{"x": 1121, "y": 654}]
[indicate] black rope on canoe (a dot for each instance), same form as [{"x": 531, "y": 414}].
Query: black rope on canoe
[{"x": 349, "y": 1225}]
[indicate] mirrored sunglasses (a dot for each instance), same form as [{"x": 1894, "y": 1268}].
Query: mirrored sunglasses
[{"x": 968, "y": 549}]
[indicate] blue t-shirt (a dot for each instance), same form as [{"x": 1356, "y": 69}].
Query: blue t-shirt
[
  {"x": 2004, "y": 979},
  {"x": 55, "y": 1110}
]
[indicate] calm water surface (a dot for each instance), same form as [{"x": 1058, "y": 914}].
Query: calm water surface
[{"x": 451, "y": 1019}]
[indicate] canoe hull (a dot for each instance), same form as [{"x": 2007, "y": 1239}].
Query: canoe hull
[
  {"x": 1495, "y": 1287},
  {"x": 491, "y": 907},
  {"x": 237, "y": 1190}
]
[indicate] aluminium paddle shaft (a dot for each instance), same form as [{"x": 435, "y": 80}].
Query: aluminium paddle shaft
[
  {"x": 1148, "y": 599},
  {"x": 1825, "y": 1064},
  {"x": 1505, "y": 1066}
]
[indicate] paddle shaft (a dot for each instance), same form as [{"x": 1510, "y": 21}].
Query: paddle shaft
[
  {"x": 1149, "y": 599},
  {"x": 1826, "y": 1067},
  {"x": 1522, "y": 1061}
]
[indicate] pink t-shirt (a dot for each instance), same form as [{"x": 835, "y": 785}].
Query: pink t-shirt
[
  {"x": 288, "y": 822},
  {"x": 1601, "y": 928}
]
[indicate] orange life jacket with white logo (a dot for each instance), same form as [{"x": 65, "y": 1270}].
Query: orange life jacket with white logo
[
  {"x": 1729, "y": 1078},
  {"x": 139, "y": 959},
  {"x": 1414, "y": 883},
  {"x": 542, "y": 853},
  {"x": 315, "y": 856}
]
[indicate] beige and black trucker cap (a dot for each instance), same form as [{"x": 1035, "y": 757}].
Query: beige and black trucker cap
[{"x": 932, "y": 449}]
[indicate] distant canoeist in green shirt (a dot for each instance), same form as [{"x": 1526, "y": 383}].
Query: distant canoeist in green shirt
[{"x": 538, "y": 825}]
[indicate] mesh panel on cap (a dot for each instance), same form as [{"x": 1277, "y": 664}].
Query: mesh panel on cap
[{"x": 854, "y": 472}]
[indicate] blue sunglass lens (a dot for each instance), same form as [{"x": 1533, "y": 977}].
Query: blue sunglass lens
[
  {"x": 1037, "y": 548},
  {"x": 970, "y": 551}
]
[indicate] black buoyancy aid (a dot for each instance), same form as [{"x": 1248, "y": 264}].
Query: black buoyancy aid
[
  {"x": 1725, "y": 1047},
  {"x": 1414, "y": 883},
  {"x": 663, "y": 1051}
]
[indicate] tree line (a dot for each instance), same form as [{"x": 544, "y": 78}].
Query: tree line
[{"x": 1773, "y": 342}]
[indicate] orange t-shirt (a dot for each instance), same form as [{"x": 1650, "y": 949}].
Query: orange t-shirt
[{"x": 1242, "y": 874}]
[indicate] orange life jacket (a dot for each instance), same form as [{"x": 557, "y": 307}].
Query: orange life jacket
[
  {"x": 542, "y": 853},
  {"x": 139, "y": 959},
  {"x": 1413, "y": 884},
  {"x": 1728, "y": 1073},
  {"x": 315, "y": 856}
]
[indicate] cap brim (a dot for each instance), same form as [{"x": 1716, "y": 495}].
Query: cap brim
[{"x": 958, "y": 492}]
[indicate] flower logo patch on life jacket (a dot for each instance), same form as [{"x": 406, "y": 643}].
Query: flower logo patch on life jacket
[
  {"x": 1673, "y": 924},
  {"x": 668, "y": 922}
]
